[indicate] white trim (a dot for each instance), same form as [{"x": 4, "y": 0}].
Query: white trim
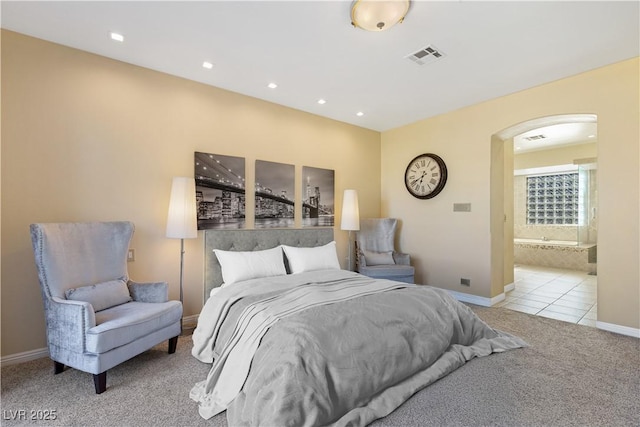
[
  {"x": 25, "y": 356},
  {"x": 509, "y": 287},
  {"x": 497, "y": 299},
  {"x": 475, "y": 299},
  {"x": 618, "y": 329},
  {"x": 523, "y": 127},
  {"x": 193, "y": 319}
]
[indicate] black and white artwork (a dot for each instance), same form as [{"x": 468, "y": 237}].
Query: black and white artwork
[
  {"x": 317, "y": 197},
  {"x": 220, "y": 191},
  {"x": 275, "y": 201}
]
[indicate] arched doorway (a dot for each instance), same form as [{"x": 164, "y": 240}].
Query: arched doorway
[{"x": 502, "y": 205}]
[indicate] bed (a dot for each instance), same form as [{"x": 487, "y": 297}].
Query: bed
[{"x": 295, "y": 341}]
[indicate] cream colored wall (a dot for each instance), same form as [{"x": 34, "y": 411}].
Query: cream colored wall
[
  {"x": 509, "y": 213},
  {"x": 556, "y": 156},
  {"x": 85, "y": 138},
  {"x": 447, "y": 245}
]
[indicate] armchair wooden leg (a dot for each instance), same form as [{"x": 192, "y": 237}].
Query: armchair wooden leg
[
  {"x": 100, "y": 382},
  {"x": 57, "y": 367},
  {"x": 173, "y": 343}
]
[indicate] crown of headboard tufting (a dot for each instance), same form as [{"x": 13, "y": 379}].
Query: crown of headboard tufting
[{"x": 254, "y": 240}]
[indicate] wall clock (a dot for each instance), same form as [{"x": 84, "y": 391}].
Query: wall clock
[{"x": 425, "y": 176}]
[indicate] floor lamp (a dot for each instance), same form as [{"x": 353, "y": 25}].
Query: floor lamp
[
  {"x": 181, "y": 219},
  {"x": 350, "y": 218}
]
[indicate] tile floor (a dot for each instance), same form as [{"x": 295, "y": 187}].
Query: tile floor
[{"x": 560, "y": 294}]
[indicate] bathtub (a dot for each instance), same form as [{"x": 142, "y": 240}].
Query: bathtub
[
  {"x": 555, "y": 253},
  {"x": 538, "y": 242}
]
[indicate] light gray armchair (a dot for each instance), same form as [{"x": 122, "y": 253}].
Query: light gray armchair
[
  {"x": 96, "y": 318},
  {"x": 376, "y": 255}
]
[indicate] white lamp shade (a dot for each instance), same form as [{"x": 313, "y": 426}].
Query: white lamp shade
[
  {"x": 378, "y": 15},
  {"x": 350, "y": 211},
  {"x": 181, "y": 220}
]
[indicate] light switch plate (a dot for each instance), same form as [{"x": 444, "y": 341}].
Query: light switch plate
[
  {"x": 131, "y": 255},
  {"x": 462, "y": 207}
]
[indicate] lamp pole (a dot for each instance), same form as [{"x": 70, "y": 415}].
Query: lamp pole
[
  {"x": 350, "y": 218},
  {"x": 181, "y": 271}
]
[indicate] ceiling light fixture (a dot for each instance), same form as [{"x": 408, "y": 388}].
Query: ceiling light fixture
[
  {"x": 377, "y": 15},
  {"x": 359, "y": 114},
  {"x": 321, "y": 101},
  {"x": 207, "y": 65},
  {"x": 272, "y": 85},
  {"x": 117, "y": 37}
]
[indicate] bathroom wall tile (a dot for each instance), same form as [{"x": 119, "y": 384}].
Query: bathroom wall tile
[{"x": 578, "y": 260}]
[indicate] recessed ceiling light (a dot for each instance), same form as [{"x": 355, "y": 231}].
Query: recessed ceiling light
[
  {"x": 359, "y": 114},
  {"x": 591, "y": 136},
  {"x": 322, "y": 101},
  {"x": 272, "y": 85},
  {"x": 207, "y": 65},
  {"x": 117, "y": 37}
]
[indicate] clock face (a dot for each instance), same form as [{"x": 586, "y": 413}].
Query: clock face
[{"x": 425, "y": 176}]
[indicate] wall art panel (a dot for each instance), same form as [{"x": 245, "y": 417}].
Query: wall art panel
[
  {"x": 318, "y": 197},
  {"x": 220, "y": 191},
  {"x": 275, "y": 200}
]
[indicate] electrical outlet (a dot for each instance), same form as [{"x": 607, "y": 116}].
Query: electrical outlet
[
  {"x": 465, "y": 282},
  {"x": 131, "y": 255}
]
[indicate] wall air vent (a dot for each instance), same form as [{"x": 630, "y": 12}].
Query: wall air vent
[
  {"x": 426, "y": 56},
  {"x": 534, "y": 137}
]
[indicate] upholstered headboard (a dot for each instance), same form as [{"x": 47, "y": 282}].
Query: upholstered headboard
[{"x": 254, "y": 240}]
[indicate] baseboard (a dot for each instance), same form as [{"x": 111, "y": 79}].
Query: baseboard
[
  {"x": 190, "y": 320},
  {"x": 26, "y": 356},
  {"x": 509, "y": 287},
  {"x": 475, "y": 299},
  {"x": 622, "y": 330}
]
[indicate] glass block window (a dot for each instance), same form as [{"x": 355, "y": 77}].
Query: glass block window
[{"x": 552, "y": 199}]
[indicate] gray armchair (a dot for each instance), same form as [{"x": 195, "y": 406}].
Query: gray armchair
[
  {"x": 376, "y": 255},
  {"x": 96, "y": 318}
]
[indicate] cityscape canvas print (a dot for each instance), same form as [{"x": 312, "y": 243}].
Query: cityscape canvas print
[
  {"x": 317, "y": 197},
  {"x": 275, "y": 201},
  {"x": 220, "y": 191}
]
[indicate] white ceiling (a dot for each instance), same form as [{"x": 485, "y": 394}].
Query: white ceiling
[
  {"x": 554, "y": 135},
  {"x": 310, "y": 49}
]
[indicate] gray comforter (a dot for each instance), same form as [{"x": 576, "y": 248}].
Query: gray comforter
[{"x": 289, "y": 351}]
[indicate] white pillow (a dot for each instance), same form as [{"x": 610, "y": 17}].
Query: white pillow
[
  {"x": 101, "y": 295},
  {"x": 310, "y": 259},
  {"x": 378, "y": 258},
  {"x": 239, "y": 266}
]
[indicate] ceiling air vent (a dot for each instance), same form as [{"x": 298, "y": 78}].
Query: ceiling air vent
[
  {"x": 534, "y": 137},
  {"x": 426, "y": 56}
]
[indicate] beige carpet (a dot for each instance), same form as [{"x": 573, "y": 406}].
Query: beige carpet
[{"x": 570, "y": 376}]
